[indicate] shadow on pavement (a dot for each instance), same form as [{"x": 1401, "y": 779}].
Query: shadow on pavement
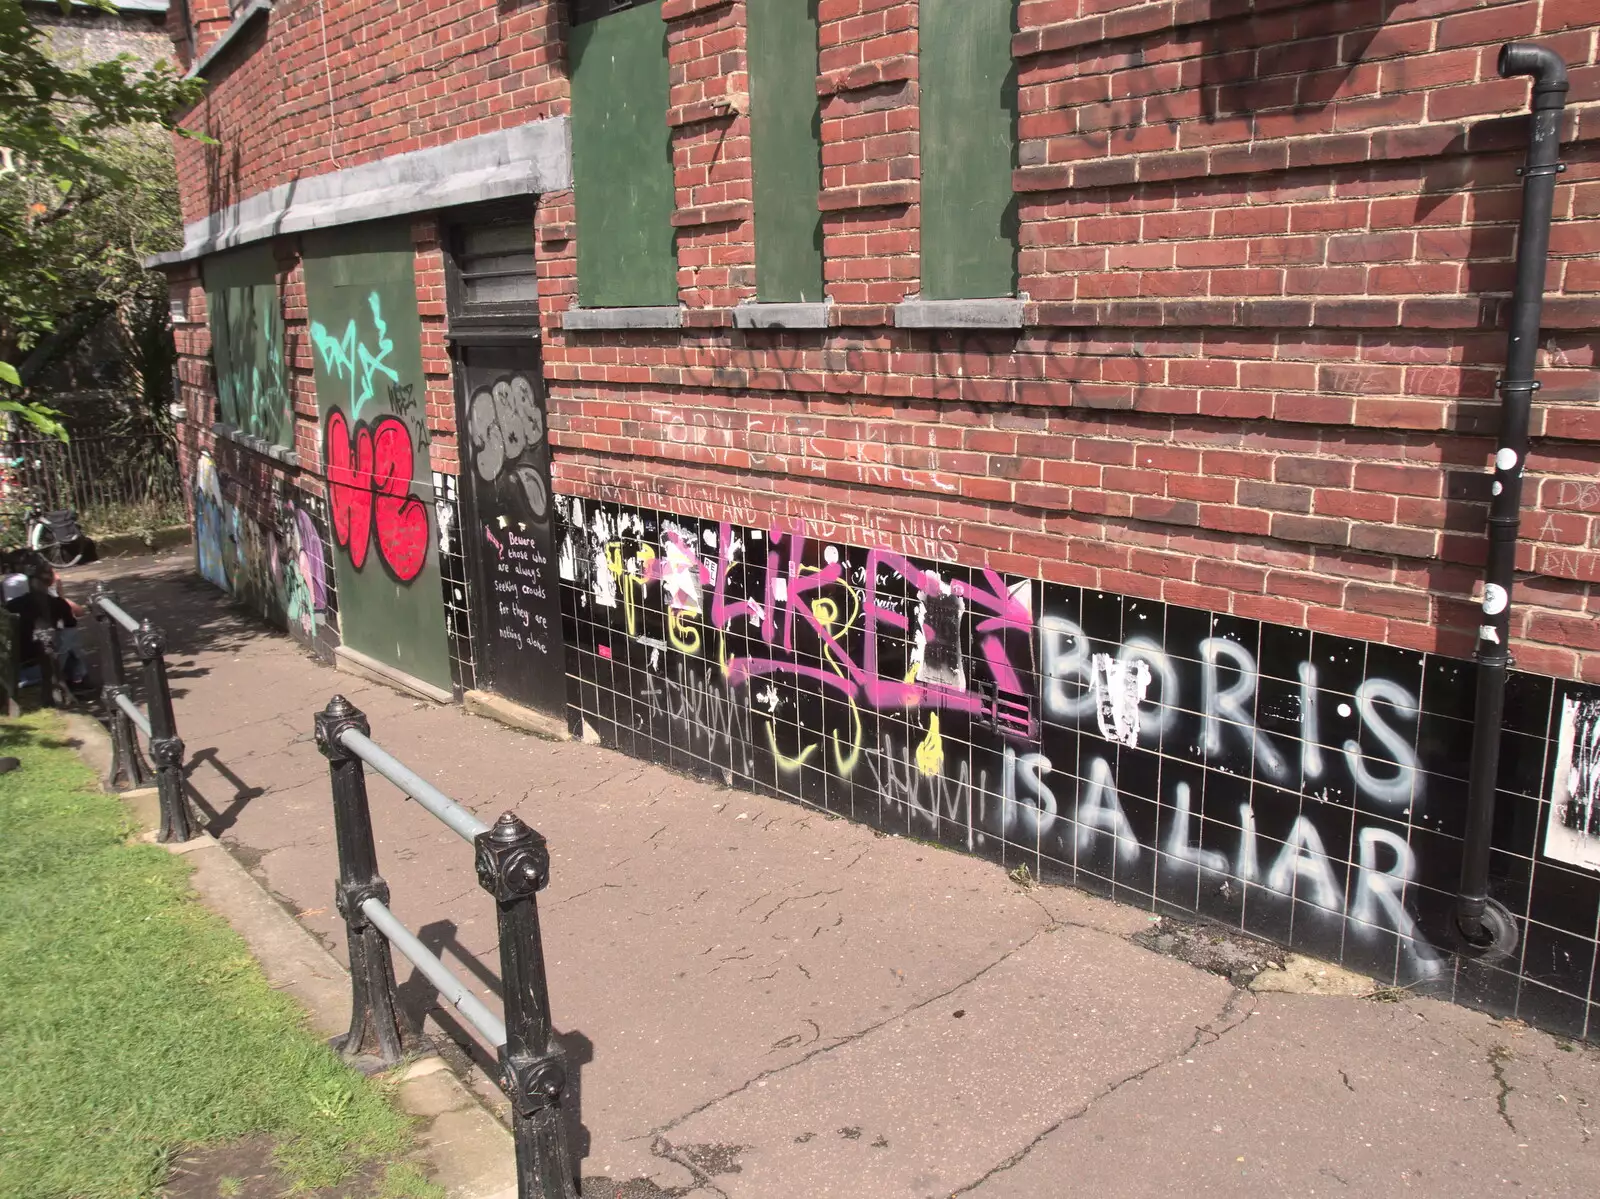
[
  {"x": 218, "y": 822},
  {"x": 418, "y": 998}
]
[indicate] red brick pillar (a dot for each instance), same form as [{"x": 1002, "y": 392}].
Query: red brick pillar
[
  {"x": 870, "y": 178},
  {"x": 708, "y": 110}
]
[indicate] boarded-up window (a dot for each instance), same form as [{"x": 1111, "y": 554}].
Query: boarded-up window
[
  {"x": 247, "y": 343},
  {"x": 969, "y": 121},
  {"x": 496, "y": 264},
  {"x": 492, "y": 276},
  {"x": 622, "y": 155},
  {"x": 786, "y": 148}
]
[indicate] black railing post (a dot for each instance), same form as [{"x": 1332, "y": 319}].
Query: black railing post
[
  {"x": 166, "y": 747},
  {"x": 377, "y": 1030},
  {"x": 513, "y": 864},
  {"x": 128, "y": 767}
]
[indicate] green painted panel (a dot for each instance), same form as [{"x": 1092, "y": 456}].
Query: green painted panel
[
  {"x": 366, "y": 341},
  {"x": 786, "y": 148},
  {"x": 247, "y": 342},
  {"x": 969, "y": 122},
  {"x": 622, "y": 160}
]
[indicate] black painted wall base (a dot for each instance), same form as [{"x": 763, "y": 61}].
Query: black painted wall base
[{"x": 1300, "y": 786}]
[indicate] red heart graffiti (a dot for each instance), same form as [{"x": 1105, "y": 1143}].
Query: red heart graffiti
[
  {"x": 369, "y": 477},
  {"x": 402, "y": 521},
  {"x": 350, "y": 487}
]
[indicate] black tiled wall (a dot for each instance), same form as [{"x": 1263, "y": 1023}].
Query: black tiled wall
[
  {"x": 453, "y": 579},
  {"x": 1300, "y": 786}
]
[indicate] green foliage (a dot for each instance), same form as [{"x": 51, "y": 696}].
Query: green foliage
[
  {"x": 136, "y": 1022},
  {"x": 86, "y": 192}
]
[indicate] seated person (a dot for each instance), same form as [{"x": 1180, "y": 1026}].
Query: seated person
[{"x": 38, "y": 605}]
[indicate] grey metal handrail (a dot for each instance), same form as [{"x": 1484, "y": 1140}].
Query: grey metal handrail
[
  {"x": 156, "y": 720},
  {"x": 114, "y": 610},
  {"x": 467, "y": 826},
  {"x": 435, "y": 971},
  {"x": 132, "y": 711},
  {"x": 512, "y": 862}
]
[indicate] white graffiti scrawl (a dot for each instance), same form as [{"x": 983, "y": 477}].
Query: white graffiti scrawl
[
  {"x": 1574, "y": 832},
  {"x": 1153, "y": 752}
]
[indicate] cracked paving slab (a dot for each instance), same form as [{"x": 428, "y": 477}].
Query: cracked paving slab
[
  {"x": 1336, "y": 1096},
  {"x": 932, "y": 1099}
]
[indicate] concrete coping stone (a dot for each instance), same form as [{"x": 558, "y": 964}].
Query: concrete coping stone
[
  {"x": 581, "y": 320},
  {"x": 260, "y": 445},
  {"x": 1003, "y": 313},
  {"x": 526, "y": 159},
  {"x": 781, "y": 316},
  {"x": 242, "y": 22}
]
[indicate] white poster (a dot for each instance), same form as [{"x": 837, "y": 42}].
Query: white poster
[{"x": 1574, "y": 832}]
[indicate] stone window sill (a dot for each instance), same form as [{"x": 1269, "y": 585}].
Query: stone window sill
[
  {"x": 1002, "y": 313},
  {"x": 780, "y": 316},
  {"x": 585, "y": 320},
  {"x": 259, "y": 445}
]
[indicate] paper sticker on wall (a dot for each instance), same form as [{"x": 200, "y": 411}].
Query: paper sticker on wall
[{"x": 1573, "y": 835}]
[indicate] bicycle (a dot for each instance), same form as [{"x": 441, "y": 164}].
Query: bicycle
[{"x": 55, "y": 536}]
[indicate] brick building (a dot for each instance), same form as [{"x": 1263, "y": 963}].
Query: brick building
[{"x": 1058, "y": 429}]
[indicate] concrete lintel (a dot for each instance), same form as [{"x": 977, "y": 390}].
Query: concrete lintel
[
  {"x": 354, "y": 662},
  {"x": 242, "y": 22},
  {"x": 780, "y": 316},
  {"x": 260, "y": 445},
  {"x": 582, "y": 320},
  {"x": 1002, "y": 313},
  {"x": 527, "y": 159}
]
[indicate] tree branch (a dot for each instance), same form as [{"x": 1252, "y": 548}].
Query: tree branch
[{"x": 60, "y": 341}]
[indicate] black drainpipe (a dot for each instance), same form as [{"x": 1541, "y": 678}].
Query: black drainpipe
[{"x": 1482, "y": 923}]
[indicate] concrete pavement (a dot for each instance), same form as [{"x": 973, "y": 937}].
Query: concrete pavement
[{"x": 762, "y": 1000}]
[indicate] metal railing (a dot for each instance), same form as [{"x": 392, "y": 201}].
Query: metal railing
[
  {"x": 128, "y": 768},
  {"x": 513, "y": 865},
  {"x": 98, "y": 476}
]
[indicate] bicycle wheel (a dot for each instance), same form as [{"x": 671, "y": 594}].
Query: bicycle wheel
[{"x": 43, "y": 539}]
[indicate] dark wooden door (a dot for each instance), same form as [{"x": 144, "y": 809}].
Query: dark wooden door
[{"x": 505, "y": 466}]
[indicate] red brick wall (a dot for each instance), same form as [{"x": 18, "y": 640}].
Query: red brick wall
[
  {"x": 325, "y": 85},
  {"x": 867, "y": 78},
  {"x": 1267, "y": 247},
  {"x": 441, "y": 400},
  {"x": 708, "y": 108}
]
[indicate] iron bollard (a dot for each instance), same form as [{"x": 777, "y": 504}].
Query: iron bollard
[
  {"x": 166, "y": 748},
  {"x": 377, "y": 1030},
  {"x": 513, "y": 865},
  {"x": 128, "y": 768}
]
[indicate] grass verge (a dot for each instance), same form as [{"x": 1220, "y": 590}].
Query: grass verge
[{"x": 135, "y": 1022}]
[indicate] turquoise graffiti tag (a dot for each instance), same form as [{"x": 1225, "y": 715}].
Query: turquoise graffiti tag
[
  {"x": 257, "y": 397},
  {"x": 349, "y": 357}
]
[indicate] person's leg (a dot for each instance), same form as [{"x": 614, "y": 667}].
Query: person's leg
[{"x": 73, "y": 665}]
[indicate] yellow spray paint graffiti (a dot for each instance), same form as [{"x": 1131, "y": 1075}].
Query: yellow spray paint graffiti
[
  {"x": 930, "y": 753},
  {"x": 682, "y": 631},
  {"x": 633, "y": 581}
]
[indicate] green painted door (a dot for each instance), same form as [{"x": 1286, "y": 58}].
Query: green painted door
[{"x": 366, "y": 341}]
